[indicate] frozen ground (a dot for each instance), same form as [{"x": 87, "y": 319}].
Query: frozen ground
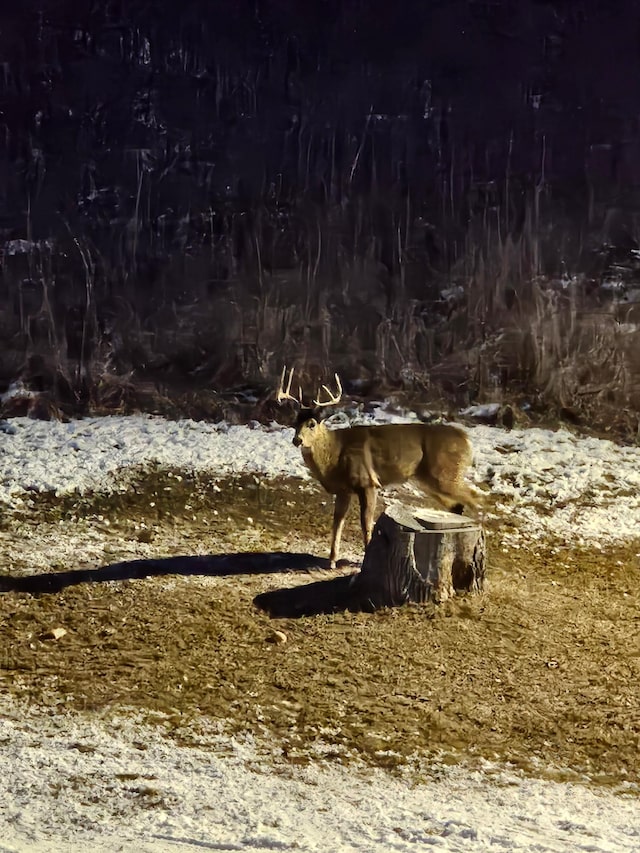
[
  {"x": 70, "y": 784},
  {"x": 77, "y": 782},
  {"x": 584, "y": 490}
]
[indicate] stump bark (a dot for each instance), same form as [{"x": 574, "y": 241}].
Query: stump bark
[{"x": 420, "y": 556}]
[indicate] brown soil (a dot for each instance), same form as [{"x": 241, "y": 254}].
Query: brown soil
[{"x": 541, "y": 670}]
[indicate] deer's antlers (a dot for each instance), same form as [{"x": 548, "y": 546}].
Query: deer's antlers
[
  {"x": 333, "y": 398},
  {"x": 285, "y": 393}
]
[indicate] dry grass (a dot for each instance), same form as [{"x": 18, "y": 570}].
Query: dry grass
[{"x": 541, "y": 670}]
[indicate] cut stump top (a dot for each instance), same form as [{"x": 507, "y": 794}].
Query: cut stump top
[{"x": 421, "y": 520}]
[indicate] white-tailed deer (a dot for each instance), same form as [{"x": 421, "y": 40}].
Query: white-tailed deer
[{"x": 361, "y": 459}]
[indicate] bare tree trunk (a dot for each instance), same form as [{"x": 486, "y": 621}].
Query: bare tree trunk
[{"x": 420, "y": 555}]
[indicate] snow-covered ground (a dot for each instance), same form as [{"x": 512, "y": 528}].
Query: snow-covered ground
[
  {"x": 68, "y": 784},
  {"x": 78, "y": 782},
  {"x": 584, "y": 490}
]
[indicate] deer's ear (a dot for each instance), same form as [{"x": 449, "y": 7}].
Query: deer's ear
[{"x": 311, "y": 423}]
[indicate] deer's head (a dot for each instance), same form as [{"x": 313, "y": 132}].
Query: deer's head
[
  {"x": 309, "y": 421},
  {"x": 307, "y": 425}
]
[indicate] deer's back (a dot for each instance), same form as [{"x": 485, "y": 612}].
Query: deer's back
[{"x": 395, "y": 451}]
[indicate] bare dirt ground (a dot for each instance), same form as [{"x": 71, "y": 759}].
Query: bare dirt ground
[{"x": 541, "y": 670}]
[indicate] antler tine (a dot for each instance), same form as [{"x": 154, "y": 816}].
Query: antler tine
[
  {"x": 285, "y": 394},
  {"x": 333, "y": 398}
]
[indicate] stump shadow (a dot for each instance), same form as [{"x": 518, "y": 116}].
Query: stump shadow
[{"x": 312, "y": 599}]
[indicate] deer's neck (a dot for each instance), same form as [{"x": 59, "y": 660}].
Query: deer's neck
[{"x": 322, "y": 459}]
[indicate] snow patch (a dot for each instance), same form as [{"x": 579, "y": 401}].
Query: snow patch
[
  {"x": 550, "y": 483},
  {"x": 71, "y": 783}
]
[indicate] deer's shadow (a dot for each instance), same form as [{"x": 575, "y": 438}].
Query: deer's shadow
[{"x": 328, "y": 596}]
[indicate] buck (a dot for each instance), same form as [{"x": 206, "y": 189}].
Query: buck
[{"x": 362, "y": 459}]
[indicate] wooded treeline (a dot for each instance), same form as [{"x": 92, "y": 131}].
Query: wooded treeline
[{"x": 423, "y": 194}]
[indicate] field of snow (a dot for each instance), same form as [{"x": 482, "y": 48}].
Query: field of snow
[
  {"x": 71, "y": 782},
  {"x": 585, "y": 490},
  {"x": 70, "y": 785}
]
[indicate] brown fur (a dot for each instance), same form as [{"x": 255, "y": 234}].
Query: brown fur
[{"x": 361, "y": 459}]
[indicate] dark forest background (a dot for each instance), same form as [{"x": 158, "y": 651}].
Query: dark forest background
[{"x": 439, "y": 198}]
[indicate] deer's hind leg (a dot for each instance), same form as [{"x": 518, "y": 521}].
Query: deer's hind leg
[
  {"x": 445, "y": 483},
  {"x": 340, "y": 509},
  {"x": 367, "y": 498}
]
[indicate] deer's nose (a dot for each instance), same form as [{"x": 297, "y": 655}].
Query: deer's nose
[{"x": 297, "y": 441}]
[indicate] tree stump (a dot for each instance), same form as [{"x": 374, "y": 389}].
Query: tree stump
[{"x": 420, "y": 556}]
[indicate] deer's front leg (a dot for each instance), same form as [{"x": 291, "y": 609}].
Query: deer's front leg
[
  {"x": 343, "y": 499},
  {"x": 367, "y": 498}
]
